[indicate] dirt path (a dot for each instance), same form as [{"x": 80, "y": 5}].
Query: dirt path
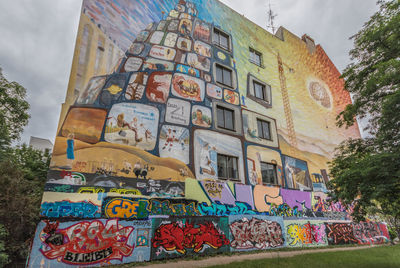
[{"x": 218, "y": 260}]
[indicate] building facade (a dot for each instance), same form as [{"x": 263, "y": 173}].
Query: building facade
[
  {"x": 40, "y": 144},
  {"x": 208, "y": 134}
]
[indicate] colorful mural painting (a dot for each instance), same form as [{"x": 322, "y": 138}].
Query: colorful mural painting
[
  {"x": 360, "y": 233},
  {"x": 371, "y": 233},
  {"x": 340, "y": 233},
  {"x": 305, "y": 233},
  {"x": 100, "y": 242},
  {"x": 256, "y": 232},
  {"x": 176, "y": 237},
  {"x": 172, "y": 142},
  {"x": 132, "y": 124}
]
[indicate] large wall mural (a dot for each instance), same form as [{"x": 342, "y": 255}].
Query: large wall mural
[{"x": 187, "y": 130}]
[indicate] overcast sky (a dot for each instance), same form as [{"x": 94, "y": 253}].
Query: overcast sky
[{"x": 37, "y": 39}]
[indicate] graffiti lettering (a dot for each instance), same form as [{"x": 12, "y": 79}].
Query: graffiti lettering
[
  {"x": 334, "y": 215},
  {"x": 80, "y": 166},
  {"x": 91, "y": 190},
  {"x": 214, "y": 189},
  {"x": 305, "y": 234},
  {"x": 125, "y": 208},
  {"x": 217, "y": 209},
  {"x": 179, "y": 237},
  {"x": 92, "y": 257},
  {"x": 340, "y": 233},
  {"x": 125, "y": 191},
  {"x": 70, "y": 209},
  {"x": 133, "y": 208},
  {"x": 284, "y": 210},
  {"x": 87, "y": 242},
  {"x": 173, "y": 207},
  {"x": 368, "y": 233},
  {"x": 324, "y": 205},
  {"x": 256, "y": 234},
  {"x": 64, "y": 188}
]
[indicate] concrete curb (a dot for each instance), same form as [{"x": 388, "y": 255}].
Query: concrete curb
[{"x": 218, "y": 260}]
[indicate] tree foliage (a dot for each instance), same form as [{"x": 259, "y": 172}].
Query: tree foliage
[
  {"x": 3, "y": 255},
  {"x": 23, "y": 172},
  {"x": 22, "y": 177},
  {"x": 13, "y": 111},
  {"x": 368, "y": 170}
]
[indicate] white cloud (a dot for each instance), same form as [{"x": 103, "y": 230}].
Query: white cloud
[{"x": 36, "y": 48}]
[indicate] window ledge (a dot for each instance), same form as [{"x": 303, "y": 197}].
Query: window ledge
[
  {"x": 229, "y": 129},
  {"x": 255, "y": 63},
  {"x": 272, "y": 185},
  {"x": 227, "y": 179},
  {"x": 224, "y": 86},
  {"x": 264, "y": 103},
  {"x": 223, "y": 48}
]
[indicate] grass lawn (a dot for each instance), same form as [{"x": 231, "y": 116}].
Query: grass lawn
[{"x": 382, "y": 256}]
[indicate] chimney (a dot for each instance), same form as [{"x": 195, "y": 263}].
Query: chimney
[{"x": 309, "y": 43}]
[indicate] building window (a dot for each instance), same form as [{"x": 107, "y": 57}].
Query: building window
[
  {"x": 260, "y": 91},
  {"x": 225, "y": 118},
  {"x": 221, "y": 39},
  {"x": 255, "y": 57},
  {"x": 263, "y": 129},
  {"x": 268, "y": 173},
  {"x": 224, "y": 75},
  {"x": 227, "y": 167}
]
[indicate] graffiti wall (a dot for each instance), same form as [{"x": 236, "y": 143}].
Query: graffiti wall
[
  {"x": 92, "y": 242},
  {"x": 187, "y": 129},
  {"x": 305, "y": 233},
  {"x": 357, "y": 233},
  {"x": 253, "y": 232},
  {"x": 224, "y": 199},
  {"x": 371, "y": 233},
  {"x": 176, "y": 237},
  {"x": 340, "y": 233}
]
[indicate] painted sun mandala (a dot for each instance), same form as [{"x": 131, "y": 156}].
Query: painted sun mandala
[{"x": 320, "y": 94}]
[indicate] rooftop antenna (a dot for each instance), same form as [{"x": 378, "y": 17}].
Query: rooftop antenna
[{"x": 271, "y": 17}]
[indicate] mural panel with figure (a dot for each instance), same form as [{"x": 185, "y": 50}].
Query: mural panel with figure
[{"x": 132, "y": 124}]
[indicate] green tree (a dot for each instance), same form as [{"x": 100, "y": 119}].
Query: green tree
[
  {"x": 22, "y": 177},
  {"x": 23, "y": 173},
  {"x": 368, "y": 170},
  {"x": 3, "y": 255},
  {"x": 13, "y": 111}
]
